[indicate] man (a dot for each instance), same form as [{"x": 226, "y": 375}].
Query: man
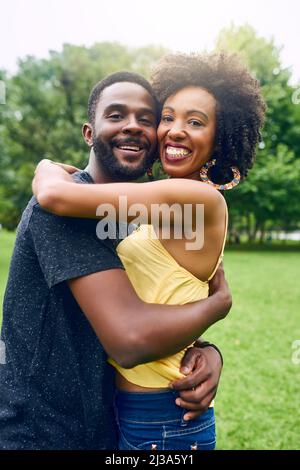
[{"x": 67, "y": 289}]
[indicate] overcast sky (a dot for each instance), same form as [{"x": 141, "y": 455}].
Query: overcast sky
[{"x": 32, "y": 27}]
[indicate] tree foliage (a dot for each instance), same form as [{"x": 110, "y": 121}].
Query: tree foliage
[
  {"x": 46, "y": 107},
  {"x": 268, "y": 198}
]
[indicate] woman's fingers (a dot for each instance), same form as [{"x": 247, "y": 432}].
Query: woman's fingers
[
  {"x": 69, "y": 168},
  {"x": 47, "y": 164}
]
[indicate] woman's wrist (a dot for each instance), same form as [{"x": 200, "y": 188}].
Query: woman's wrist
[{"x": 49, "y": 181}]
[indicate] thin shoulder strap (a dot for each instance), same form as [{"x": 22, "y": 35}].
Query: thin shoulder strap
[{"x": 223, "y": 245}]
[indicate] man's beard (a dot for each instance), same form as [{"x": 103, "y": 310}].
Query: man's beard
[{"x": 111, "y": 166}]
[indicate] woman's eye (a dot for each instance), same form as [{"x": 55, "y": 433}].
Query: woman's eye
[
  {"x": 166, "y": 118},
  {"x": 195, "y": 123}
]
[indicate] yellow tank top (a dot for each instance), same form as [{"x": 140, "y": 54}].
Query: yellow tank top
[{"x": 158, "y": 278}]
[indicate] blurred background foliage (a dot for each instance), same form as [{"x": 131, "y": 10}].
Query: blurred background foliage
[{"x": 46, "y": 103}]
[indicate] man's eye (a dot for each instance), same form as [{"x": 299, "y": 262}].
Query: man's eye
[
  {"x": 115, "y": 116},
  {"x": 147, "y": 121}
]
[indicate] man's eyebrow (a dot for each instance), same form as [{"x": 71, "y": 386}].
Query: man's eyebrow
[
  {"x": 148, "y": 111},
  {"x": 190, "y": 111},
  {"x": 112, "y": 106},
  {"x": 123, "y": 107}
]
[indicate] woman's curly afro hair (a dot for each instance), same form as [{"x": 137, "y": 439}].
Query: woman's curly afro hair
[{"x": 240, "y": 106}]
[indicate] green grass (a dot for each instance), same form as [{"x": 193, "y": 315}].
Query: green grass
[
  {"x": 6, "y": 246},
  {"x": 257, "y": 405}
]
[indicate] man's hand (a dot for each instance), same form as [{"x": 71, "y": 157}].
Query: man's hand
[{"x": 202, "y": 367}]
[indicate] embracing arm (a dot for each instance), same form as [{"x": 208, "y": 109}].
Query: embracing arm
[
  {"x": 57, "y": 193},
  {"x": 133, "y": 332}
]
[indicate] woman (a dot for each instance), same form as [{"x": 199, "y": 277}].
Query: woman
[{"x": 211, "y": 117}]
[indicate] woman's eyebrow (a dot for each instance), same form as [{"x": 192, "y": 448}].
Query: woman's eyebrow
[
  {"x": 168, "y": 108},
  {"x": 197, "y": 111},
  {"x": 190, "y": 111}
]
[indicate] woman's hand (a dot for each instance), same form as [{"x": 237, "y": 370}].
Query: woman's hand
[
  {"x": 68, "y": 168},
  {"x": 47, "y": 175}
]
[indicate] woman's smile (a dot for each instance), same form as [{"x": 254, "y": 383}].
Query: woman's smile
[{"x": 176, "y": 152}]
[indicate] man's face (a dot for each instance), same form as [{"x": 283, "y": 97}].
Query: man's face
[{"x": 124, "y": 133}]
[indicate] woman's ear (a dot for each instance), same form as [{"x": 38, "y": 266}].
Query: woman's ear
[{"x": 87, "y": 132}]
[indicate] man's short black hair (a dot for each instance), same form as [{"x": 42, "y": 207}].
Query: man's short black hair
[{"x": 118, "y": 77}]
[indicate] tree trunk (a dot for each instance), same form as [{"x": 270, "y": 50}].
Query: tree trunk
[
  {"x": 262, "y": 231},
  {"x": 248, "y": 228}
]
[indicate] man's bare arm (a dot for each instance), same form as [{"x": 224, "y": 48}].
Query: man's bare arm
[{"x": 133, "y": 332}]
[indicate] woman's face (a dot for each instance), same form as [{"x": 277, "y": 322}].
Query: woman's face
[{"x": 186, "y": 132}]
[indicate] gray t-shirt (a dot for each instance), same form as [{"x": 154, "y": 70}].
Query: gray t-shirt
[{"x": 56, "y": 387}]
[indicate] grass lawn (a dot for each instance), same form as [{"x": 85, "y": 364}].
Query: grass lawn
[
  {"x": 257, "y": 406},
  {"x": 6, "y": 247}
]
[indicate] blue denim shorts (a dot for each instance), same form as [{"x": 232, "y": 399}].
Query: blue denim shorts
[{"x": 153, "y": 421}]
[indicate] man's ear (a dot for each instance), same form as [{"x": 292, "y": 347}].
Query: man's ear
[{"x": 87, "y": 132}]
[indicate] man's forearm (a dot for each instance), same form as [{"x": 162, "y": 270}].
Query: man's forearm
[
  {"x": 164, "y": 330},
  {"x": 132, "y": 331}
]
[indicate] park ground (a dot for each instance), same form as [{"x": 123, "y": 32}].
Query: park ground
[{"x": 257, "y": 406}]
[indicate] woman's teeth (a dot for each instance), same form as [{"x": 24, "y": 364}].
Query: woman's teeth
[{"x": 177, "y": 152}]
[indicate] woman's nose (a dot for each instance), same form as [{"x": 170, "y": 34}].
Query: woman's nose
[{"x": 176, "y": 133}]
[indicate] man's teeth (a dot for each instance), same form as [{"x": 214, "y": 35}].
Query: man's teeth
[
  {"x": 134, "y": 148},
  {"x": 177, "y": 152}
]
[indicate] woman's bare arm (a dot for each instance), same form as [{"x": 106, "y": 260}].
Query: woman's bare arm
[{"x": 57, "y": 193}]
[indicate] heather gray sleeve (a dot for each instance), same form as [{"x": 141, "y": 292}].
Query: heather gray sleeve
[{"x": 68, "y": 247}]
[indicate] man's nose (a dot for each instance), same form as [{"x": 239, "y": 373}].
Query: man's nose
[{"x": 132, "y": 126}]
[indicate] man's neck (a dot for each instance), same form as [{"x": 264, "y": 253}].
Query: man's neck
[{"x": 96, "y": 172}]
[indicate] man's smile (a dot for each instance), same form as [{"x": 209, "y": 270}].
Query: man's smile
[{"x": 134, "y": 148}]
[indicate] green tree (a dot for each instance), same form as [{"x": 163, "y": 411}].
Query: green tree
[
  {"x": 45, "y": 110},
  {"x": 268, "y": 198}
]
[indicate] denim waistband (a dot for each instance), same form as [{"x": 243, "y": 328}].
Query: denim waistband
[{"x": 150, "y": 406}]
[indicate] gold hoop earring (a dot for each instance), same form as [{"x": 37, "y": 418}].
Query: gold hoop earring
[{"x": 221, "y": 187}]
